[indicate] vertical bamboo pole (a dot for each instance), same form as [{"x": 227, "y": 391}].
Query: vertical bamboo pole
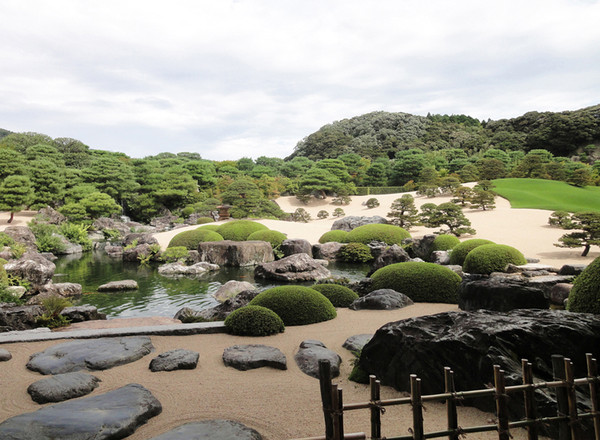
[
  {"x": 450, "y": 403},
  {"x": 375, "y": 410},
  {"x": 417, "y": 407},
  {"x": 334, "y": 414},
  {"x": 572, "y": 399},
  {"x": 501, "y": 403},
  {"x": 325, "y": 384},
  {"x": 592, "y": 368},
  {"x": 529, "y": 398},
  {"x": 340, "y": 412},
  {"x": 562, "y": 401}
]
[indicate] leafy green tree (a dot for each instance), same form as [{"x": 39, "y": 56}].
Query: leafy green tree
[
  {"x": 99, "y": 204},
  {"x": 245, "y": 164},
  {"x": 462, "y": 195},
  {"x": 490, "y": 169},
  {"x": 336, "y": 167},
  {"x": 245, "y": 198},
  {"x": 48, "y": 182},
  {"x": 482, "y": 199},
  {"x": 376, "y": 175},
  {"x": 583, "y": 176},
  {"x": 588, "y": 234},
  {"x": 338, "y": 212},
  {"x": 407, "y": 166},
  {"x": 15, "y": 193},
  {"x": 203, "y": 171},
  {"x": 75, "y": 153},
  {"x": 296, "y": 167},
  {"x": 319, "y": 180},
  {"x": 11, "y": 163},
  {"x": 20, "y": 141},
  {"x": 112, "y": 175},
  {"x": 45, "y": 152},
  {"x": 176, "y": 188},
  {"x": 446, "y": 214},
  {"x": 469, "y": 173},
  {"x": 404, "y": 213},
  {"x": 533, "y": 165}
]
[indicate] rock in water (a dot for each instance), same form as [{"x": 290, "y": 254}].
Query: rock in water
[
  {"x": 113, "y": 415},
  {"x": 235, "y": 253},
  {"x": 211, "y": 430},
  {"x": 114, "y": 286}
]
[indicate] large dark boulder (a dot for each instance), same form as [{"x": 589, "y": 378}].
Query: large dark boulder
[
  {"x": 501, "y": 295},
  {"x": 113, "y": 415},
  {"x": 235, "y": 253},
  {"x": 297, "y": 267},
  {"x": 33, "y": 268},
  {"x": 422, "y": 247},
  {"x": 472, "y": 342},
  {"x": 293, "y": 246},
  {"x": 211, "y": 430},
  {"x": 19, "y": 317},
  {"x": 82, "y": 313},
  {"x": 352, "y": 221}
]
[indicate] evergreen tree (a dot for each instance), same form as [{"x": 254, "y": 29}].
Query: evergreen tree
[
  {"x": 446, "y": 214},
  {"x": 404, "y": 212},
  {"x": 15, "y": 193}
]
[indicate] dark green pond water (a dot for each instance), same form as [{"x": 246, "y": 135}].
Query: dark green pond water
[{"x": 157, "y": 295}]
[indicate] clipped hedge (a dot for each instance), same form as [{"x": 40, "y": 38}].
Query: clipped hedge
[
  {"x": 273, "y": 237},
  {"x": 388, "y": 234},
  {"x": 239, "y": 230},
  {"x": 445, "y": 242},
  {"x": 421, "y": 282},
  {"x": 585, "y": 294},
  {"x": 296, "y": 305},
  {"x": 191, "y": 239},
  {"x": 210, "y": 227},
  {"x": 340, "y": 296},
  {"x": 337, "y": 235},
  {"x": 460, "y": 251},
  {"x": 492, "y": 258},
  {"x": 254, "y": 321},
  {"x": 355, "y": 253}
]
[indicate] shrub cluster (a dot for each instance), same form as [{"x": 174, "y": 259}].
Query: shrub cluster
[
  {"x": 492, "y": 258},
  {"x": 174, "y": 253},
  {"x": 296, "y": 305},
  {"x": 340, "y": 296},
  {"x": 254, "y": 321},
  {"x": 388, "y": 234},
  {"x": 421, "y": 282},
  {"x": 460, "y": 251},
  {"x": 273, "y": 237},
  {"x": 191, "y": 239},
  {"x": 445, "y": 242},
  {"x": 585, "y": 294},
  {"x": 239, "y": 230},
  {"x": 336, "y": 235},
  {"x": 355, "y": 253},
  {"x": 204, "y": 220}
]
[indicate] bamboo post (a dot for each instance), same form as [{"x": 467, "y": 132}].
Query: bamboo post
[
  {"x": 325, "y": 384},
  {"x": 450, "y": 403},
  {"x": 375, "y": 409},
  {"x": 334, "y": 412},
  {"x": 501, "y": 403},
  {"x": 592, "y": 368},
  {"x": 572, "y": 400},
  {"x": 562, "y": 401},
  {"x": 529, "y": 400},
  {"x": 340, "y": 413},
  {"x": 417, "y": 407}
]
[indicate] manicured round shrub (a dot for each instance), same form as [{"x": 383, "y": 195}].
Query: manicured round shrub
[
  {"x": 273, "y": 237},
  {"x": 254, "y": 321},
  {"x": 174, "y": 253},
  {"x": 445, "y": 242},
  {"x": 460, "y": 251},
  {"x": 203, "y": 220},
  {"x": 296, "y": 305},
  {"x": 355, "y": 253},
  {"x": 340, "y": 296},
  {"x": 388, "y": 234},
  {"x": 492, "y": 258},
  {"x": 421, "y": 282},
  {"x": 336, "y": 235},
  {"x": 210, "y": 227},
  {"x": 239, "y": 230},
  {"x": 190, "y": 239},
  {"x": 585, "y": 294}
]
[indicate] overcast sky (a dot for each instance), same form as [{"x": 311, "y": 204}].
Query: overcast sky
[{"x": 231, "y": 79}]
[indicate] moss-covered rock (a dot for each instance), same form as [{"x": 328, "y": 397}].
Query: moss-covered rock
[
  {"x": 421, "y": 282},
  {"x": 191, "y": 239},
  {"x": 355, "y": 253},
  {"x": 585, "y": 294},
  {"x": 254, "y": 321},
  {"x": 239, "y": 230},
  {"x": 492, "y": 258},
  {"x": 340, "y": 296},
  {"x": 273, "y": 237},
  {"x": 388, "y": 234},
  {"x": 296, "y": 305},
  {"x": 337, "y": 235},
  {"x": 444, "y": 242},
  {"x": 460, "y": 251}
]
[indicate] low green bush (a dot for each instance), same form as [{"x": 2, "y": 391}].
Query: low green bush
[
  {"x": 445, "y": 242},
  {"x": 3, "y": 274},
  {"x": 77, "y": 233},
  {"x": 173, "y": 254},
  {"x": 296, "y": 305},
  {"x": 340, "y": 296},
  {"x": 421, "y": 282},
  {"x": 191, "y": 239},
  {"x": 372, "y": 203},
  {"x": 337, "y": 235},
  {"x": 355, "y": 253},
  {"x": 210, "y": 227},
  {"x": 6, "y": 240},
  {"x": 273, "y": 237},
  {"x": 51, "y": 317},
  {"x": 254, "y": 321},
  {"x": 388, "y": 234},
  {"x": 204, "y": 220},
  {"x": 322, "y": 214},
  {"x": 492, "y": 258},
  {"x": 460, "y": 251},
  {"x": 239, "y": 230},
  {"x": 585, "y": 294}
]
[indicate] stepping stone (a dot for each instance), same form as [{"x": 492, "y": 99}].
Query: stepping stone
[
  {"x": 211, "y": 430},
  {"x": 62, "y": 387},
  {"x": 381, "y": 299},
  {"x": 175, "y": 360},
  {"x": 115, "y": 286},
  {"x": 309, "y": 355},
  {"x": 248, "y": 357},
  {"x": 113, "y": 415},
  {"x": 5, "y": 355},
  {"x": 357, "y": 342},
  {"x": 90, "y": 354}
]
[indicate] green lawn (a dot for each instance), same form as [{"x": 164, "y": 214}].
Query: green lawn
[{"x": 548, "y": 194}]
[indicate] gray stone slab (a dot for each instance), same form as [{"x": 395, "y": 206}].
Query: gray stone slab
[
  {"x": 113, "y": 415},
  {"x": 357, "y": 342},
  {"x": 248, "y": 357},
  {"x": 98, "y": 354},
  {"x": 5, "y": 355},
  {"x": 211, "y": 430},
  {"x": 309, "y": 355},
  {"x": 179, "y": 359},
  {"x": 62, "y": 387},
  {"x": 381, "y": 299}
]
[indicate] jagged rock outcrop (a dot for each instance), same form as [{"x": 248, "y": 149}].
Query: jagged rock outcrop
[
  {"x": 23, "y": 235},
  {"x": 236, "y": 253},
  {"x": 293, "y": 246},
  {"x": 422, "y": 247},
  {"x": 500, "y": 294},
  {"x": 33, "y": 268},
  {"x": 390, "y": 255},
  {"x": 51, "y": 215},
  {"x": 352, "y": 221},
  {"x": 297, "y": 267},
  {"x": 231, "y": 288}
]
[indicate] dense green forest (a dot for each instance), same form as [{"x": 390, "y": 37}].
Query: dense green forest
[{"x": 377, "y": 149}]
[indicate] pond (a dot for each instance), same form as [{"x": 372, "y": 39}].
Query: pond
[{"x": 158, "y": 295}]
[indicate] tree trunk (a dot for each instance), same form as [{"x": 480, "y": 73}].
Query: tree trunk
[
  {"x": 586, "y": 249},
  {"x": 12, "y": 216}
]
